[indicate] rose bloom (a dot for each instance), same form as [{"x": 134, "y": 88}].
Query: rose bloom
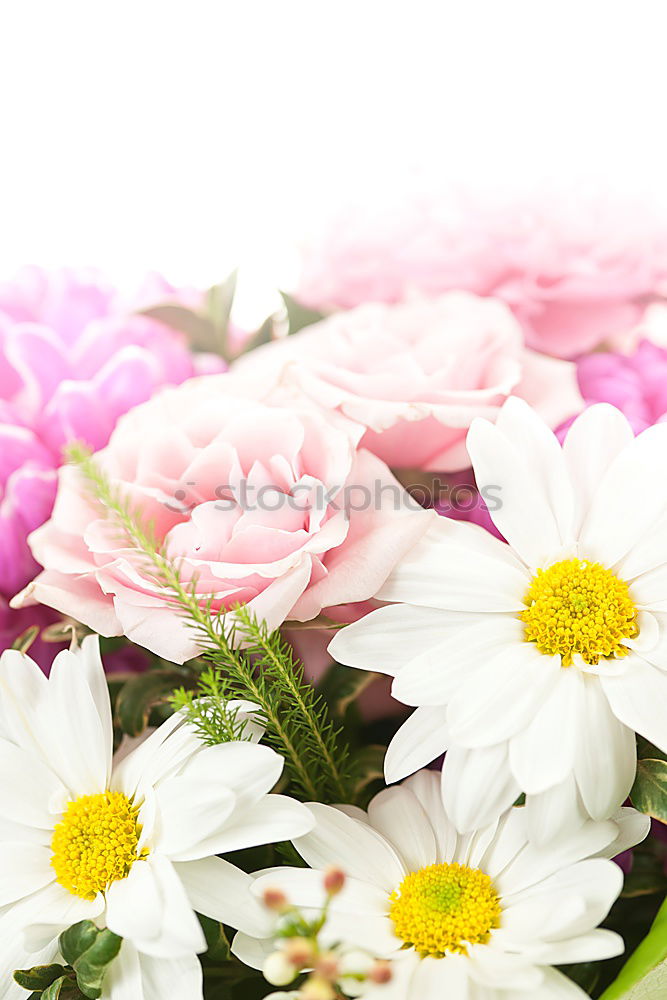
[
  {"x": 576, "y": 270},
  {"x": 260, "y": 497},
  {"x": 71, "y": 362},
  {"x": 635, "y": 382},
  {"x": 416, "y": 374}
]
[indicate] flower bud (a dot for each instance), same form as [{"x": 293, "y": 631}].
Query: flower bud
[
  {"x": 300, "y": 952},
  {"x": 275, "y": 899},
  {"x": 334, "y": 880},
  {"x": 317, "y": 989},
  {"x": 381, "y": 973},
  {"x": 327, "y": 966},
  {"x": 278, "y": 970}
]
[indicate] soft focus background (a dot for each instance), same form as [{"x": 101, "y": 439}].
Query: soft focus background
[{"x": 187, "y": 137}]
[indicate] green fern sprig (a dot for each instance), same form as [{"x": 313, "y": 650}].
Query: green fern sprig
[{"x": 245, "y": 661}]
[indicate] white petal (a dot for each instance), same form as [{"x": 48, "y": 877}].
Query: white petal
[
  {"x": 542, "y": 755},
  {"x": 386, "y": 639},
  {"x": 90, "y": 663},
  {"x": 158, "y": 757},
  {"x": 81, "y": 750},
  {"x": 437, "y": 978},
  {"x": 638, "y": 698},
  {"x": 426, "y": 786},
  {"x": 502, "y": 699},
  {"x": 591, "y": 947},
  {"x": 189, "y": 812},
  {"x": 499, "y": 970},
  {"x": 595, "y": 881},
  {"x": 593, "y": 441},
  {"x": 557, "y": 986},
  {"x": 272, "y": 819},
  {"x": 31, "y": 792},
  {"x": 171, "y": 977},
  {"x": 252, "y": 951},
  {"x": 355, "y": 847},
  {"x": 553, "y": 813},
  {"x": 398, "y": 815},
  {"x": 151, "y": 908},
  {"x": 619, "y": 515},
  {"x": 249, "y": 770},
  {"x": 24, "y": 869},
  {"x": 221, "y": 891},
  {"x": 606, "y": 756},
  {"x": 520, "y": 455},
  {"x": 633, "y": 828},
  {"x": 123, "y": 979},
  {"x": 477, "y": 786},
  {"x": 458, "y": 567},
  {"x": 532, "y": 863},
  {"x": 420, "y": 740},
  {"x": 22, "y": 687},
  {"x": 304, "y": 887},
  {"x": 432, "y": 677}
]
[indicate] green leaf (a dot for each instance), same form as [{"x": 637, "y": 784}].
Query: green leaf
[
  {"x": 649, "y": 792},
  {"x": 77, "y": 939},
  {"x": 199, "y": 330},
  {"x": 341, "y": 685},
  {"x": 219, "y": 302},
  {"x": 299, "y": 315},
  {"x": 39, "y": 976},
  {"x": 62, "y": 989},
  {"x": 646, "y": 750},
  {"x": 141, "y": 694},
  {"x": 218, "y": 949},
  {"x": 89, "y": 951},
  {"x": 650, "y": 954},
  {"x": 367, "y": 767},
  {"x": 24, "y": 641},
  {"x": 264, "y": 335}
]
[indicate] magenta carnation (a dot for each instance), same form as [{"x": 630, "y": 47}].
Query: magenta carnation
[
  {"x": 636, "y": 383},
  {"x": 575, "y": 272},
  {"x": 71, "y": 363}
]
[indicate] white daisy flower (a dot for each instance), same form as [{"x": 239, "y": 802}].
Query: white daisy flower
[
  {"x": 481, "y": 916},
  {"x": 534, "y": 662},
  {"x": 128, "y": 843}
]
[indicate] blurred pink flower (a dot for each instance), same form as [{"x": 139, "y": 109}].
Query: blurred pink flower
[
  {"x": 264, "y": 499},
  {"x": 635, "y": 383},
  {"x": 416, "y": 374},
  {"x": 576, "y": 270},
  {"x": 70, "y": 364}
]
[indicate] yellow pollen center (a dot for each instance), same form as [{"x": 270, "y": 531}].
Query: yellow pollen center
[
  {"x": 96, "y": 843},
  {"x": 579, "y": 607},
  {"x": 445, "y": 908}
]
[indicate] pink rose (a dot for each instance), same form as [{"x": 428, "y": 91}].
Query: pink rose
[
  {"x": 577, "y": 271},
  {"x": 261, "y": 497},
  {"x": 70, "y": 364},
  {"x": 416, "y": 374}
]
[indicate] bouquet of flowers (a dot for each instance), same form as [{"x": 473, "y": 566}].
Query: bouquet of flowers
[{"x": 336, "y": 652}]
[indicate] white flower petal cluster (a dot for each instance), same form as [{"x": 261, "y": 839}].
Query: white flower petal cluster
[
  {"x": 130, "y": 842},
  {"x": 484, "y": 915},
  {"x": 534, "y": 661}
]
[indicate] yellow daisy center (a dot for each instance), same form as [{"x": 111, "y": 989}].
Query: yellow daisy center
[
  {"x": 95, "y": 843},
  {"x": 444, "y": 908},
  {"x": 576, "y": 606}
]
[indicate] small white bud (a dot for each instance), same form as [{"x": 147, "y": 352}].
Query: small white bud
[{"x": 278, "y": 970}]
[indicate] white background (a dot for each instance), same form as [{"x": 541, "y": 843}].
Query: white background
[{"x": 186, "y": 136}]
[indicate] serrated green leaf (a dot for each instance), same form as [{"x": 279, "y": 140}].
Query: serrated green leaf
[
  {"x": 298, "y": 315},
  {"x": 650, "y": 954},
  {"x": 39, "y": 976},
  {"x": 649, "y": 792},
  {"x": 218, "y": 948},
  {"x": 141, "y": 694}
]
